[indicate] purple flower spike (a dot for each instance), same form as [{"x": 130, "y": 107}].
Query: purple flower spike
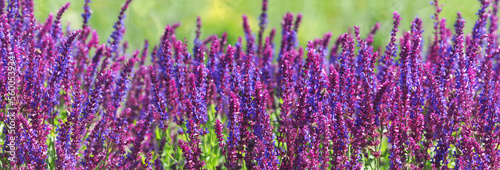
[
  {"x": 369, "y": 39},
  {"x": 233, "y": 126},
  {"x": 391, "y": 49},
  {"x": 86, "y": 14},
  {"x": 262, "y": 26},
  {"x": 249, "y": 37},
  {"x": 117, "y": 34},
  {"x": 56, "y": 32}
]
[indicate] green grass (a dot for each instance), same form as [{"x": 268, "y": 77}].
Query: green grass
[{"x": 146, "y": 19}]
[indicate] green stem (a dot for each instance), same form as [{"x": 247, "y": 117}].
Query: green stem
[{"x": 379, "y": 147}]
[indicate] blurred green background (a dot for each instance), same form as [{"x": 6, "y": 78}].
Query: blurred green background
[{"x": 146, "y": 19}]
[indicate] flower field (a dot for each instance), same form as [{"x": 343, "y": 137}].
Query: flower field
[{"x": 71, "y": 101}]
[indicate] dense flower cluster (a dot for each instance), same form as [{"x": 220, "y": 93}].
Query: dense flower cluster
[{"x": 84, "y": 104}]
